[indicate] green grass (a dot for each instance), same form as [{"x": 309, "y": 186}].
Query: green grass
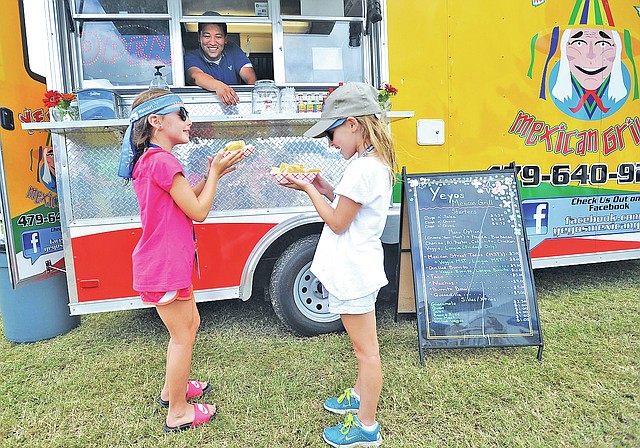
[{"x": 97, "y": 385}]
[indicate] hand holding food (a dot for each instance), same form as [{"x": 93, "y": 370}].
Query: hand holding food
[
  {"x": 238, "y": 145},
  {"x": 223, "y": 164},
  {"x": 296, "y": 171},
  {"x": 293, "y": 168}
]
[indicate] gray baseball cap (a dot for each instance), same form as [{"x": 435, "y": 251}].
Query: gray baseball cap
[{"x": 353, "y": 99}]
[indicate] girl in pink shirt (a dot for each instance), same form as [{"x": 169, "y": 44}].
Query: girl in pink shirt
[{"x": 163, "y": 259}]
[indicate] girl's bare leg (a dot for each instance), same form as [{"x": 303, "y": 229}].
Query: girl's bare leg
[
  {"x": 362, "y": 331},
  {"x": 182, "y": 319}
]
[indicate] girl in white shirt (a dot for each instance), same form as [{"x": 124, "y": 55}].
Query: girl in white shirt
[{"x": 349, "y": 258}]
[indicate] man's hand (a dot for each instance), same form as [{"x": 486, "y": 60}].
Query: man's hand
[{"x": 227, "y": 95}]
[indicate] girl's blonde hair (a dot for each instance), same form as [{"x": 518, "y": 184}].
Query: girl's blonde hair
[
  {"x": 376, "y": 132},
  {"x": 142, "y": 131}
]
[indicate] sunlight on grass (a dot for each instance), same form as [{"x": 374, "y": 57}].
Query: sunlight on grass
[{"x": 98, "y": 384}]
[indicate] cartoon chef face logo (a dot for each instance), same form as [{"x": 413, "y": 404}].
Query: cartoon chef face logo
[
  {"x": 591, "y": 54},
  {"x": 590, "y": 81}
]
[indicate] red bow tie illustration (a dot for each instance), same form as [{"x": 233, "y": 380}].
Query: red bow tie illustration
[{"x": 585, "y": 97}]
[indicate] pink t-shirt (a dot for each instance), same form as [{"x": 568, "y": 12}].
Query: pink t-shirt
[{"x": 163, "y": 258}]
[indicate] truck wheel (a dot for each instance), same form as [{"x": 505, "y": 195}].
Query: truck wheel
[{"x": 296, "y": 294}]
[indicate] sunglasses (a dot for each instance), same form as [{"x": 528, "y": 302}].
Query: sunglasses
[
  {"x": 329, "y": 133},
  {"x": 184, "y": 113}
]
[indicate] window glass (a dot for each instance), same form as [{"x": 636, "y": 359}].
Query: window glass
[
  {"x": 121, "y": 6},
  {"x": 320, "y": 53},
  {"x": 242, "y": 8},
  {"x": 326, "y": 8},
  {"x": 125, "y": 52},
  {"x": 36, "y": 33},
  {"x": 290, "y": 7}
]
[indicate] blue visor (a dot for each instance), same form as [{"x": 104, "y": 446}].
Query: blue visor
[
  {"x": 160, "y": 105},
  {"x": 336, "y": 123}
]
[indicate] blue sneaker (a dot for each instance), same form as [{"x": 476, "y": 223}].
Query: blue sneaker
[
  {"x": 346, "y": 402},
  {"x": 350, "y": 434}
]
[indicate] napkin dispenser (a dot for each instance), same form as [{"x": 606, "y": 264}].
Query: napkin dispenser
[{"x": 98, "y": 104}]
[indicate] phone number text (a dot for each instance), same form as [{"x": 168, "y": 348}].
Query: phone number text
[
  {"x": 36, "y": 219},
  {"x": 583, "y": 174}
]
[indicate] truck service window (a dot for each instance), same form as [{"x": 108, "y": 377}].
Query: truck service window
[
  {"x": 321, "y": 58},
  {"x": 121, "y": 6},
  {"x": 322, "y": 41},
  {"x": 120, "y": 41},
  {"x": 124, "y": 52}
]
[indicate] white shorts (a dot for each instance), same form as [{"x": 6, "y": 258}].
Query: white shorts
[{"x": 361, "y": 305}]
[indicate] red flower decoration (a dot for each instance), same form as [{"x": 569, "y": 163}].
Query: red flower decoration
[
  {"x": 68, "y": 96},
  {"x": 51, "y": 98},
  {"x": 389, "y": 88},
  {"x": 387, "y": 92}
]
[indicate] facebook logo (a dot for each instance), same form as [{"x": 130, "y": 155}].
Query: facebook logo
[
  {"x": 31, "y": 244},
  {"x": 536, "y": 217}
]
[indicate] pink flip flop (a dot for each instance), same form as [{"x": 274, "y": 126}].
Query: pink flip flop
[
  {"x": 194, "y": 390},
  {"x": 202, "y": 416}
]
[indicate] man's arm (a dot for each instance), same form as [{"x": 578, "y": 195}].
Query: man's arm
[
  {"x": 248, "y": 75},
  {"x": 226, "y": 94}
]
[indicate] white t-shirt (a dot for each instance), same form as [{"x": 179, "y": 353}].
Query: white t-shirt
[{"x": 351, "y": 265}]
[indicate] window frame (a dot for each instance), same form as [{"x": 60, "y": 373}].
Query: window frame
[
  {"x": 33, "y": 34},
  {"x": 371, "y": 43}
]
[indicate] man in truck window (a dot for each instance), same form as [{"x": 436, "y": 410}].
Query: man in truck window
[{"x": 217, "y": 64}]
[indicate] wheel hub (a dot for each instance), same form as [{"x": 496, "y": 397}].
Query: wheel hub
[{"x": 307, "y": 292}]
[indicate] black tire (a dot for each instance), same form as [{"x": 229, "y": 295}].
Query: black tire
[{"x": 296, "y": 294}]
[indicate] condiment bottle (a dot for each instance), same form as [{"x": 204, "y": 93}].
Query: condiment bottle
[{"x": 158, "y": 81}]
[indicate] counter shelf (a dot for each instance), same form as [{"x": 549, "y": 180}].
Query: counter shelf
[{"x": 121, "y": 123}]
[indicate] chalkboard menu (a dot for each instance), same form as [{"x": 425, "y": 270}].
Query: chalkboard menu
[{"x": 472, "y": 275}]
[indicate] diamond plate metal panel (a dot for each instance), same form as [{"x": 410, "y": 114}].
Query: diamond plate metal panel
[
  {"x": 200, "y": 105},
  {"x": 97, "y": 192}
]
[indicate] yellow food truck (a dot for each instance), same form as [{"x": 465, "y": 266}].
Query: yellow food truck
[{"x": 547, "y": 87}]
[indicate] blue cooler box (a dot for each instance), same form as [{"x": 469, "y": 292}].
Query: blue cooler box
[
  {"x": 36, "y": 311},
  {"x": 97, "y": 104}
]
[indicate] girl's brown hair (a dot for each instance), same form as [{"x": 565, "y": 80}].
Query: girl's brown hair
[
  {"x": 376, "y": 132},
  {"x": 142, "y": 131}
]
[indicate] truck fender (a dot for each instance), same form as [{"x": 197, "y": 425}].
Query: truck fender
[{"x": 246, "y": 281}]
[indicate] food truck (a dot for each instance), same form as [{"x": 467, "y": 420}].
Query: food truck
[{"x": 549, "y": 88}]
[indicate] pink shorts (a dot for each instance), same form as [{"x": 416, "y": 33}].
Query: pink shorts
[{"x": 164, "y": 298}]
